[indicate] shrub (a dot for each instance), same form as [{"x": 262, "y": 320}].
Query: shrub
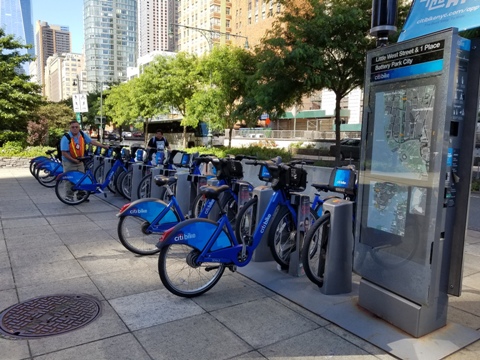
[
  {"x": 8, "y": 135},
  {"x": 37, "y": 132}
]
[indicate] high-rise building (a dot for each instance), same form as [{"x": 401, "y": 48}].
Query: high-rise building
[
  {"x": 49, "y": 40},
  {"x": 16, "y": 19},
  {"x": 64, "y": 76},
  {"x": 110, "y": 40},
  {"x": 155, "y": 18}
]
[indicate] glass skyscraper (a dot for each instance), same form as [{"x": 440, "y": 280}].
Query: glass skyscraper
[
  {"x": 16, "y": 19},
  {"x": 110, "y": 40}
]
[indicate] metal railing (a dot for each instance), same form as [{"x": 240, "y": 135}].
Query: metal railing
[{"x": 259, "y": 133}]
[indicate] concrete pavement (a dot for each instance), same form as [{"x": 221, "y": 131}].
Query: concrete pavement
[{"x": 49, "y": 248}]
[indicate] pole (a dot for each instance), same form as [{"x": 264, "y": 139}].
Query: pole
[
  {"x": 101, "y": 113},
  {"x": 78, "y": 114}
]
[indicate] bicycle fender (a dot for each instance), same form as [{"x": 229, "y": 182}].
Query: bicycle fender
[
  {"x": 196, "y": 233},
  {"x": 148, "y": 209},
  {"x": 74, "y": 177}
]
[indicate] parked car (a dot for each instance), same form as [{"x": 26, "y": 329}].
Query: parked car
[
  {"x": 349, "y": 149},
  {"x": 111, "y": 135},
  {"x": 137, "y": 134},
  {"x": 126, "y": 134}
]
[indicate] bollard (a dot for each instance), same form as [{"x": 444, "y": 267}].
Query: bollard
[
  {"x": 155, "y": 190},
  {"x": 302, "y": 204},
  {"x": 337, "y": 278},
  {"x": 183, "y": 190},
  {"x": 137, "y": 174}
]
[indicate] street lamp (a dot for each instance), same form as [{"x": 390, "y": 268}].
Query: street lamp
[
  {"x": 208, "y": 34},
  {"x": 77, "y": 82}
]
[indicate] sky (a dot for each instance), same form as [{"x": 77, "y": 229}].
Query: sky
[{"x": 61, "y": 12}]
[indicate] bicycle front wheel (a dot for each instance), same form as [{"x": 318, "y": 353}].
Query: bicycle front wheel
[
  {"x": 197, "y": 205},
  {"x": 246, "y": 221},
  {"x": 314, "y": 252},
  {"x": 64, "y": 192},
  {"x": 182, "y": 275},
  {"x": 45, "y": 177},
  {"x": 283, "y": 235},
  {"x": 126, "y": 186},
  {"x": 145, "y": 186},
  {"x": 133, "y": 234}
]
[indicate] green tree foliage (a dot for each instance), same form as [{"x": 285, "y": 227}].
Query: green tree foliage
[
  {"x": 226, "y": 71},
  {"x": 313, "y": 46},
  {"x": 19, "y": 98}
]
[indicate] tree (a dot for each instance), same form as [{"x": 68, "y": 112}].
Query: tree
[
  {"x": 313, "y": 46},
  {"x": 226, "y": 71},
  {"x": 19, "y": 98},
  {"x": 173, "y": 81}
]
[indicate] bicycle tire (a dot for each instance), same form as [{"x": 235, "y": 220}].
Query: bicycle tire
[
  {"x": 165, "y": 196},
  {"x": 127, "y": 185},
  {"x": 197, "y": 205},
  {"x": 118, "y": 183},
  {"x": 77, "y": 197},
  {"x": 33, "y": 164},
  {"x": 99, "y": 173},
  {"x": 144, "y": 189},
  {"x": 314, "y": 252},
  {"x": 229, "y": 205},
  {"x": 184, "y": 279},
  {"x": 133, "y": 235},
  {"x": 282, "y": 236},
  {"x": 45, "y": 178},
  {"x": 246, "y": 221}
]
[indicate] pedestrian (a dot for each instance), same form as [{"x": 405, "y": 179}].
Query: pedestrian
[
  {"x": 72, "y": 146},
  {"x": 157, "y": 143}
]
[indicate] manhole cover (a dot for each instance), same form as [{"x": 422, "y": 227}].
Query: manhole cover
[{"x": 49, "y": 315}]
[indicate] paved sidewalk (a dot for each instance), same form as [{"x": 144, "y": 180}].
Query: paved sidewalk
[{"x": 49, "y": 248}]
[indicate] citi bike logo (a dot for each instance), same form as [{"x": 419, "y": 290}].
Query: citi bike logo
[
  {"x": 138, "y": 211},
  {"x": 183, "y": 236},
  {"x": 208, "y": 206},
  {"x": 265, "y": 223}
]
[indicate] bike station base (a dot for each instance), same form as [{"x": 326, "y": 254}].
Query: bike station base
[{"x": 344, "y": 311}]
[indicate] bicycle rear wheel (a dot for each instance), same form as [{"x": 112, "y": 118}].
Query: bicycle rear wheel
[
  {"x": 45, "y": 177},
  {"x": 182, "y": 275},
  {"x": 133, "y": 234},
  {"x": 246, "y": 221},
  {"x": 127, "y": 185},
  {"x": 314, "y": 250},
  {"x": 282, "y": 237}
]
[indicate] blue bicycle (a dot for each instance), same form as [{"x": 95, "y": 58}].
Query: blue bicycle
[
  {"x": 74, "y": 187},
  {"x": 143, "y": 221},
  {"x": 285, "y": 178},
  {"x": 195, "y": 253}
]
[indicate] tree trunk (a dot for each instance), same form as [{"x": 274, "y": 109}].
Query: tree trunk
[
  {"x": 230, "y": 132},
  {"x": 338, "y": 122},
  {"x": 184, "y": 137}
]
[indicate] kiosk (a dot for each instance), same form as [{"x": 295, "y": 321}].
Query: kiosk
[{"x": 418, "y": 136}]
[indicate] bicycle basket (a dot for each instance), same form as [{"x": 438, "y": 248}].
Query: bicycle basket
[
  {"x": 296, "y": 179},
  {"x": 228, "y": 169},
  {"x": 342, "y": 180},
  {"x": 264, "y": 174}
]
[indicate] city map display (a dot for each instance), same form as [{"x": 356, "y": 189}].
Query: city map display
[
  {"x": 402, "y": 132},
  {"x": 400, "y": 149}
]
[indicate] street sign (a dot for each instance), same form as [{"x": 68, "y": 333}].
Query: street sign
[
  {"x": 99, "y": 120},
  {"x": 80, "y": 103}
]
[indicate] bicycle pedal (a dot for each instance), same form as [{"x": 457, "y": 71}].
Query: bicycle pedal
[
  {"x": 105, "y": 195},
  {"x": 232, "y": 268}
]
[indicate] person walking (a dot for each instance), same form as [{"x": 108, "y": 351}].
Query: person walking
[
  {"x": 157, "y": 143},
  {"x": 72, "y": 146}
]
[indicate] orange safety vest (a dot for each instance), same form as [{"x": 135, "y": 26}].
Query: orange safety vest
[{"x": 77, "y": 150}]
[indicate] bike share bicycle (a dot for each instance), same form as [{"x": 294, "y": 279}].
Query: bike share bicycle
[
  {"x": 317, "y": 239},
  {"x": 74, "y": 187},
  {"x": 228, "y": 171},
  {"x": 285, "y": 178},
  {"x": 143, "y": 221}
]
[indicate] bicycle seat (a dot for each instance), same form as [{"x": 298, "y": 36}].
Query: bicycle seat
[
  {"x": 50, "y": 152},
  {"x": 213, "y": 192},
  {"x": 161, "y": 180}
]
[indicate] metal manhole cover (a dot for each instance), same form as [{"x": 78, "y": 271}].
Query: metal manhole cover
[{"x": 48, "y": 315}]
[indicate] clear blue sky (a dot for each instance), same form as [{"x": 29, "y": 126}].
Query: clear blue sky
[{"x": 62, "y": 12}]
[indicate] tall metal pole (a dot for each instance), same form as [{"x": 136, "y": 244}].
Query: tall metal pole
[{"x": 101, "y": 113}]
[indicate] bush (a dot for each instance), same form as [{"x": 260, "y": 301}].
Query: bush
[
  {"x": 16, "y": 136},
  {"x": 261, "y": 153},
  {"x": 14, "y": 149}
]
